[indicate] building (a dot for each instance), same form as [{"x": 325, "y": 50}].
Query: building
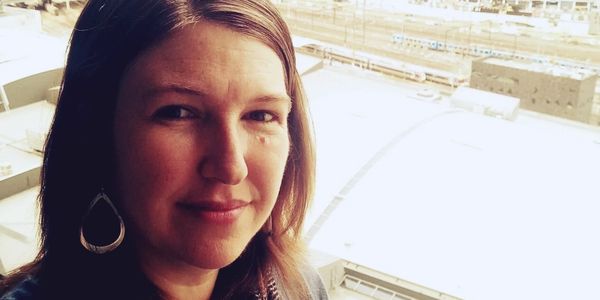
[
  {"x": 594, "y": 20},
  {"x": 595, "y": 118},
  {"x": 345, "y": 279},
  {"x": 549, "y": 89},
  {"x": 487, "y": 103},
  {"x": 545, "y": 5}
]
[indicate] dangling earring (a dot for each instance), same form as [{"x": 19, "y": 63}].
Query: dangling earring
[{"x": 101, "y": 249}]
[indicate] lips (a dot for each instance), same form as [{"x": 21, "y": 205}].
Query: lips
[
  {"x": 215, "y": 211},
  {"x": 216, "y": 206}
]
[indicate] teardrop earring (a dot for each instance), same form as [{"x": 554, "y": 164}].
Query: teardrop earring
[{"x": 87, "y": 225}]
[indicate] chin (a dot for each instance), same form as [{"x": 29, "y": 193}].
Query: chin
[
  {"x": 214, "y": 257},
  {"x": 216, "y": 261}
]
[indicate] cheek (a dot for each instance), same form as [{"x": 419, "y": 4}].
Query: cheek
[
  {"x": 266, "y": 159},
  {"x": 150, "y": 165}
]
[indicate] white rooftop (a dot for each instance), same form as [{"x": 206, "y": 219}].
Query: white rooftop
[
  {"x": 474, "y": 206},
  {"x": 21, "y": 55},
  {"x": 554, "y": 70}
]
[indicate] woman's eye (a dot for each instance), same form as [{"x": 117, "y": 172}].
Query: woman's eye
[
  {"x": 173, "y": 112},
  {"x": 261, "y": 116}
]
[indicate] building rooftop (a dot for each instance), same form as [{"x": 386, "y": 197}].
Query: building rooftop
[
  {"x": 550, "y": 69},
  {"x": 470, "y": 205}
]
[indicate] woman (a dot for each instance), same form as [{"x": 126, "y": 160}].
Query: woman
[{"x": 180, "y": 162}]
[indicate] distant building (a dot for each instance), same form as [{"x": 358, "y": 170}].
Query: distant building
[
  {"x": 344, "y": 279},
  {"x": 18, "y": 18},
  {"x": 518, "y": 7},
  {"x": 594, "y": 21},
  {"x": 487, "y": 103},
  {"x": 567, "y": 93},
  {"x": 595, "y": 118}
]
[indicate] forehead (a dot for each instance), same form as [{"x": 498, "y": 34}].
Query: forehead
[{"x": 219, "y": 59}]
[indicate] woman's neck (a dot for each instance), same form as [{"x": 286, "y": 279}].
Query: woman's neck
[{"x": 178, "y": 280}]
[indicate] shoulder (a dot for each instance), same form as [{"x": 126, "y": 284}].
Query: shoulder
[
  {"x": 314, "y": 283},
  {"x": 27, "y": 289}
]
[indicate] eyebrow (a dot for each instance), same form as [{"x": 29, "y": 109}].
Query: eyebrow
[
  {"x": 273, "y": 98},
  {"x": 182, "y": 89}
]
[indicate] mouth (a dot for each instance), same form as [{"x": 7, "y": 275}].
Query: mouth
[{"x": 213, "y": 211}]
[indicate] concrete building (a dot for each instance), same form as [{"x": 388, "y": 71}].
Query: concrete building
[
  {"x": 594, "y": 21},
  {"x": 528, "y": 5},
  {"x": 566, "y": 93},
  {"x": 595, "y": 118},
  {"x": 345, "y": 279},
  {"x": 487, "y": 103}
]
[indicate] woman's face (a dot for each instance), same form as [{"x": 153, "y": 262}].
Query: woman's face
[{"x": 202, "y": 142}]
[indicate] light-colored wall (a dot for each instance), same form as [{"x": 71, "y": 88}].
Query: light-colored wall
[
  {"x": 33, "y": 88},
  {"x": 594, "y": 20}
]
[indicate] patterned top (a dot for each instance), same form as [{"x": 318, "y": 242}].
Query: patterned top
[{"x": 28, "y": 289}]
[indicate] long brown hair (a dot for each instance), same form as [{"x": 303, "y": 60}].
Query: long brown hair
[{"x": 79, "y": 155}]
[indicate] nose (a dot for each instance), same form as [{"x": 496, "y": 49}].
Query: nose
[{"x": 224, "y": 161}]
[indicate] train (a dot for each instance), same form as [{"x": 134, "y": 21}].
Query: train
[
  {"x": 482, "y": 50},
  {"x": 365, "y": 61}
]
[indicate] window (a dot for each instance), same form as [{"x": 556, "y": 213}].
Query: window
[
  {"x": 461, "y": 169},
  {"x": 434, "y": 190}
]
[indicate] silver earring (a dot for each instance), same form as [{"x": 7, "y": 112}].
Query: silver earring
[{"x": 101, "y": 249}]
